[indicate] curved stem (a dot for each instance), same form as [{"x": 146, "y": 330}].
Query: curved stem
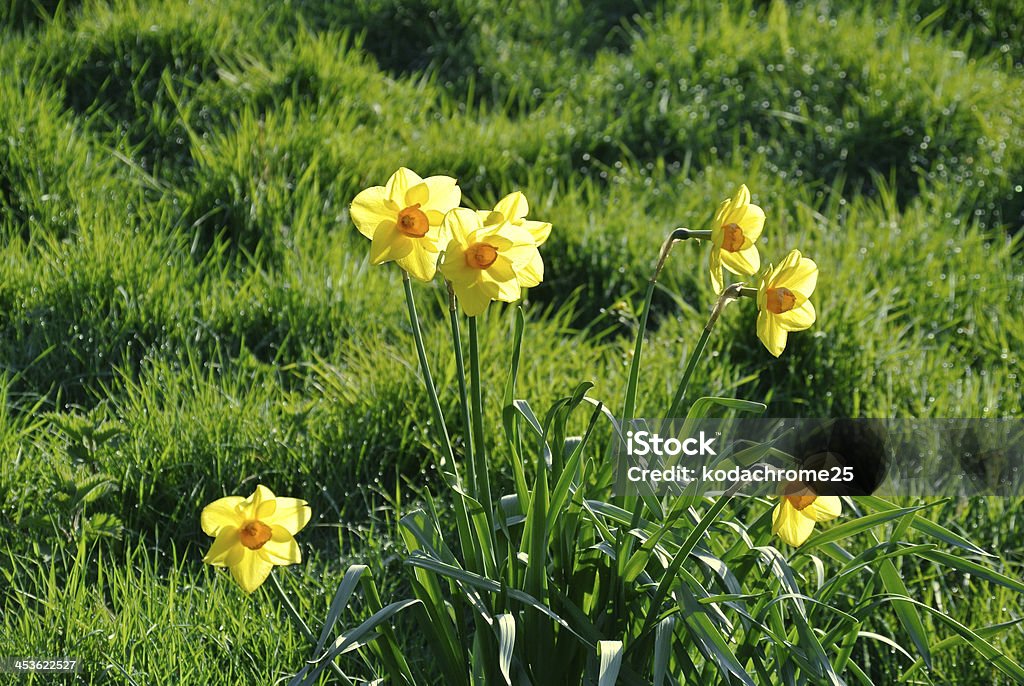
[
  {"x": 680, "y": 234},
  {"x": 728, "y": 295}
]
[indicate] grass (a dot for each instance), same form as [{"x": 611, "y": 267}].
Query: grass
[{"x": 186, "y": 309}]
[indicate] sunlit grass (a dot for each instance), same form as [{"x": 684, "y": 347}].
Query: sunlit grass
[{"x": 185, "y": 306}]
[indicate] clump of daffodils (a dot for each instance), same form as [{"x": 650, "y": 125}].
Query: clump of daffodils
[{"x": 485, "y": 255}]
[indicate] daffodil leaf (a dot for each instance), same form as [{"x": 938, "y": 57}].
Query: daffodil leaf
[
  {"x": 610, "y": 655},
  {"x": 506, "y": 628}
]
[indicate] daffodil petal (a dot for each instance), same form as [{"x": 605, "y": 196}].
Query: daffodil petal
[
  {"x": 799, "y": 275},
  {"x": 528, "y": 265},
  {"x": 444, "y": 194},
  {"x": 771, "y": 333},
  {"x": 513, "y": 206},
  {"x": 824, "y": 508},
  {"x": 475, "y": 298},
  {"x": 420, "y": 262},
  {"x": 790, "y": 524},
  {"x": 370, "y": 209},
  {"x": 389, "y": 244},
  {"x": 220, "y": 514},
  {"x": 751, "y": 221},
  {"x": 539, "y": 230},
  {"x": 715, "y": 270},
  {"x": 745, "y": 262},
  {"x": 399, "y": 184},
  {"x": 281, "y": 549},
  {"x": 251, "y": 570},
  {"x": 226, "y": 543},
  {"x": 291, "y": 514},
  {"x": 454, "y": 267},
  {"x": 799, "y": 318},
  {"x": 417, "y": 195},
  {"x": 461, "y": 223},
  {"x": 501, "y": 271}
]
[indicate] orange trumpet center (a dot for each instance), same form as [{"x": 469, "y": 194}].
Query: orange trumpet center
[
  {"x": 799, "y": 496},
  {"x": 481, "y": 255},
  {"x": 254, "y": 534},
  {"x": 732, "y": 237},
  {"x": 780, "y": 300},
  {"x": 413, "y": 222}
]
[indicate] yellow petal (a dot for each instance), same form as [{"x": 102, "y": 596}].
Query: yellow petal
[
  {"x": 461, "y": 223},
  {"x": 723, "y": 209},
  {"x": 417, "y": 195},
  {"x": 715, "y": 269},
  {"x": 539, "y": 230},
  {"x": 744, "y": 262},
  {"x": 444, "y": 194},
  {"x": 513, "y": 206},
  {"x": 291, "y": 514},
  {"x": 454, "y": 267},
  {"x": 527, "y": 263},
  {"x": 251, "y": 570},
  {"x": 797, "y": 273},
  {"x": 370, "y": 209},
  {"x": 226, "y": 549},
  {"x": 824, "y": 508},
  {"x": 751, "y": 221},
  {"x": 399, "y": 184},
  {"x": 797, "y": 319},
  {"x": 220, "y": 514},
  {"x": 475, "y": 298},
  {"x": 389, "y": 244},
  {"x": 789, "y": 524},
  {"x": 771, "y": 333},
  {"x": 281, "y": 549},
  {"x": 420, "y": 262}
]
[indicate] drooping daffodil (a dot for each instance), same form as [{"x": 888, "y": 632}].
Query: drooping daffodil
[
  {"x": 799, "y": 510},
  {"x": 485, "y": 263},
  {"x": 513, "y": 209},
  {"x": 734, "y": 233},
  {"x": 403, "y": 219},
  {"x": 253, "y": 534},
  {"x": 783, "y": 301}
]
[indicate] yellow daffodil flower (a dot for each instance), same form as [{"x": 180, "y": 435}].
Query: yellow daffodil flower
[
  {"x": 734, "y": 233},
  {"x": 799, "y": 510},
  {"x": 403, "y": 219},
  {"x": 483, "y": 263},
  {"x": 513, "y": 209},
  {"x": 253, "y": 534},
  {"x": 783, "y": 301}
]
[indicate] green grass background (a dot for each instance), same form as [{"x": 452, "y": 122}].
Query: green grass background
[{"x": 187, "y": 310}]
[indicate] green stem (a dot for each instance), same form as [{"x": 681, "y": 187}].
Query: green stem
[
  {"x": 428, "y": 379},
  {"x": 680, "y": 234},
  {"x": 728, "y": 295},
  {"x": 460, "y": 367},
  {"x": 303, "y": 627},
  {"x": 483, "y": 482},
  {"x": 453, "y": 481}
]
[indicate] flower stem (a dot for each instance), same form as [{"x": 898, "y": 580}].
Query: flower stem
[
  {"x": 680, "y": 234},
  {"x": 728, "y": 295},
  {"x": 303, "y": 627},
  {"x": 460, "y": 367},
  {"x": 483, "y": 483},
  {"x": 428, "y": 379},
  {"x": 474, "y": 564}
]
